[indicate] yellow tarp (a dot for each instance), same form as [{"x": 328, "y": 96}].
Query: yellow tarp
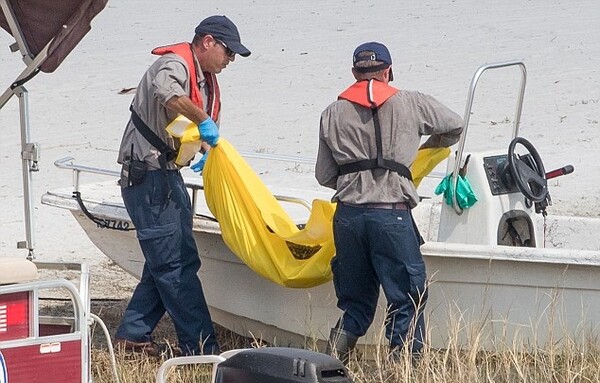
[
  {"x": 425, "y": 161},
  {"x": 189, "y": 138},
  {"x": 260, "y": 232}
]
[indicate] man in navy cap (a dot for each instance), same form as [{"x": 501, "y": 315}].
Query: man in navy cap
[
  {"x": 368, "y": 138},
  {"x": 182, "y": 81}
]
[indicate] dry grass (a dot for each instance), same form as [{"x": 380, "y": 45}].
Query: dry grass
[
  {"x": 135, "y": 368},
  {"x": 565, "y": 361},
  {"x": 556, "y": 364}
]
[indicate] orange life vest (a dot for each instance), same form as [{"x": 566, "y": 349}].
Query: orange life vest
[
  {"x": 372, "y": 94},
  {"x": 184, "y": 50},
  {"x": 369, "y": 96}
]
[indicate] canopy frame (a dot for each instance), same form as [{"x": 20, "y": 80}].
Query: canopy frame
[{"x": 43, "y": 46}]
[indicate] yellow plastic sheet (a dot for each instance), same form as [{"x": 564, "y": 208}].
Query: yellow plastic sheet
[
  {"x": 260, "y": 232},
  {"x": 425, "y": 161},
  {"x": 189, "y": 138}
]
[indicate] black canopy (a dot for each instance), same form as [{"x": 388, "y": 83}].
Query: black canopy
[
  {"x": 62, "y": 23},
  {"x": 45, "y": 32}
]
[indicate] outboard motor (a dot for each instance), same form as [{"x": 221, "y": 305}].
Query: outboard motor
[{"x": 281, "y": 365}]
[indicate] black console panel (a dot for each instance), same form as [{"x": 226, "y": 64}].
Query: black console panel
[{"x": 498, "y": 175}]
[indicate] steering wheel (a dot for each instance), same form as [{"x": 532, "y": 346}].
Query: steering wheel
[{"x": 529, "y": 177}]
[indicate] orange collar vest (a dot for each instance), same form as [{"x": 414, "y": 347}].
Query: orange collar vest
[
  {"x": 370, "y": 94},
  {"x": 184, "y": 50}
]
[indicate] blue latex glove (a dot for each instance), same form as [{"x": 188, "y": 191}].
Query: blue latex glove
[
  {"x": 199, "y": 166},
  {"x": 209, "y": 131}
]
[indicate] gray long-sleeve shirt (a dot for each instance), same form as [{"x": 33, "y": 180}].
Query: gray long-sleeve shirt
[
  {"x": 165, "y": 78},
  {"x": 347, "y": 134}
]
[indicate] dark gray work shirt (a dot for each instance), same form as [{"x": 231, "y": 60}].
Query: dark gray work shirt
[{"x": 347, "y": 134}]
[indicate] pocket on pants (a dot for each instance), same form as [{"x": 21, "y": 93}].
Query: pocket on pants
[
  {"x": 157, "y": 231},
  {"x": 418, "y": 282},
  {"x": 161, "y": 246}
]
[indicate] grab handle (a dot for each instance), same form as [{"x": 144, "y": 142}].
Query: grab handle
[{"x": 463, "y": 137}]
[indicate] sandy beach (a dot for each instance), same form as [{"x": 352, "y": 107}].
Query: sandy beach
[{"x": 300, "y": 62}]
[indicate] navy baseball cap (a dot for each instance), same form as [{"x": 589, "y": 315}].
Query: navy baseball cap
[
  {"x": 221, "y": 28},
  {"x": 379, "y": 54}
]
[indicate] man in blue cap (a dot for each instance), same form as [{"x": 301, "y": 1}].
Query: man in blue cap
[
  {"x": 368, "y": 139},
  {"x": 182, "y": 81}
]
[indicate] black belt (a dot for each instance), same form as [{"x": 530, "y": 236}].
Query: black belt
[{"x": 380, "y": 205}]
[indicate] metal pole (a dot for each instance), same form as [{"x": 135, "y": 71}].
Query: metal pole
[
  {"x": 29, "y": 160},
  {"x": 15, "y": 30},
  {"x": 277, "y": 157},
  {"x": 468, "y": 107}
]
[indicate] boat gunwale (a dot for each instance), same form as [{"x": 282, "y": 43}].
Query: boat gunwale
[{"x": 567, "y": 256}]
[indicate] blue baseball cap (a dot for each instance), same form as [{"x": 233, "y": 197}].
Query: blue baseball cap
[
  {"x": 221, "y": 28},
  {"x": 379, "y": 54}
]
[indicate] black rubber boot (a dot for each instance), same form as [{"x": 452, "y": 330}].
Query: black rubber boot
[{"x": 340, "y": 344}]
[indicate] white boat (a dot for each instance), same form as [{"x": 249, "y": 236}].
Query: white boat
[{"x": 500, "y": 272}]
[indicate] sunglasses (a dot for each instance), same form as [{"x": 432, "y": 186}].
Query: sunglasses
[{"x": 228, "y": 52}]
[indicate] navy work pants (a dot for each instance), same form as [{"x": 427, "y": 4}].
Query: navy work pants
[
  {"x": 162, "y": 215},
  {"x": 379, "y": 248}
]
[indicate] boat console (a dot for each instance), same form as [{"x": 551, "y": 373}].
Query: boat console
[
  {"x": 511, "y": 188},
  {"x": 501, "y": 216}
]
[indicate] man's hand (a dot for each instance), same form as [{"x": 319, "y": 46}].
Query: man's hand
[
  {"x": 199, "y": 166},
  {"x": 209, "y": 132}
]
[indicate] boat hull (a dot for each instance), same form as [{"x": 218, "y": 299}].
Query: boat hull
[{"x": 482, "y": 296}]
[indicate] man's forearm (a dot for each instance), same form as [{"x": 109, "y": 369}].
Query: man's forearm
[{"x": 183, "y": 105}]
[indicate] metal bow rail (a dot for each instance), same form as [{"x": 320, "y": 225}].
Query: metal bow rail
[{"x": 471, "y": 95}]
